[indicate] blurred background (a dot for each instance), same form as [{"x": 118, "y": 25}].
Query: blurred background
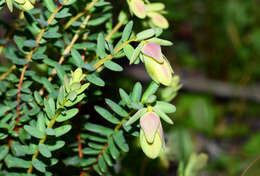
[{"x": 216, "y": 54}]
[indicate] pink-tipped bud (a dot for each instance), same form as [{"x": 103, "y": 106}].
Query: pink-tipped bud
[
  {"x": 138, "y": 8},
  {"x": 153, "y": 50},
  {"x": 158, "y": 20},
  {"x": 150, "y": 123},
  {"x": 160, "y": 73}
]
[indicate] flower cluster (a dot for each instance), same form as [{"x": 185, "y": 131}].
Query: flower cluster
[
  {"x": 156, "y": 64},
  {"x": 152, "y": 10}
]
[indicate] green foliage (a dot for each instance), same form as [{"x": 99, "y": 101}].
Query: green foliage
[{"x": 52, "y": 69}]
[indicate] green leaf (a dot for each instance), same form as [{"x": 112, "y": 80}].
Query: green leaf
[
  {"x": 160, "y": 42},
  {"x": 13, "y": 162},
  {"x": 136, "y": 53},
  {"x": 76, "y": 58},
  {"x": 9, "y": 5},
  {"x": 120, "y": 141},
  {"x": 97, "y": 169},
  {"x": 94, "y": 138},
  {"x": 107, "y": 158},
  {"x": 99, "y": 20},
  {"x": 107, "y": 115},
  {"x": 113, "y": 66},
  {"x": 148, "y": 33},
  {"x": 129, "y": 51},
  {"x": 50, "y": 34},
  {"x": 41, "y": 122},
  {"x": 49, "y": 107},
  {"x": 165, "y": 107},
  {"x": 137, "y": 92},
  {"x": 63, "y": 13},
  {"x": 30, "y": 43},
  {"x": 125, "y": 97},
  {"x": 102, "y": 164},
  {"x": 62, "y": 130},
  {"x": 96, "y": 146},
  {"x": 3, "y": 151},
  {"x": 101, "y": 50},
  {"x": 90, "y": 151},
  {"x": 43, "y": 149},
  {"x": 152, "y": 88},
  {"x": 34, "y": 131},
  {"x": 104, "y": 131},
  {"x": 47, "y": 84},
  {"x": 60, "y": 72},
  {"x": 37, "y": 164},
  {"x": 11, "y": 92},
  {"x": 61, "y": 96},
  {"x": 112, "y": 148},
  {"x": 162, "y": 115},
  {"x": 50, "y": 5},
  {"x": 68, "y": 115},
  {"x": 56, "y": 146},
  {"x": 18, "y": 61},
  {"x": 87, "y": 162},
  {"x": 136, "y": 116},
  {"x": 72, "y": 96},
  {"x": 127, "y": 31},
  {"x": 151, "y": 99},
  {"x": 3, "y": 110},
  {"x": 50, "y": 131},
  {"x": 77, "y": 100},
  {"x": 38, "y": 97},
  {"x": 116, "y": 108},
  {"x": 19, "y": 42},
  {"x": 95, "y": 80}
]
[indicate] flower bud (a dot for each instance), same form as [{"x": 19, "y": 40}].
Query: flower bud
[
  {"x": 160, "y": 73},
  {"x": 153, "y": 50},
  {"x": 138, "y": 8},
  {"x": 151, "y": 134},
  {"x": 158, "y": 20},
  {"x": 150, "y": 123}
]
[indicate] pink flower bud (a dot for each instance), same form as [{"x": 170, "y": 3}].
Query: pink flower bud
[
  {"x": 138, "y": 8},
  {"x": 151, "y": 135},
  {"x": 153, "y": 50},
  {"x": 160, "y": 73},
  {"x": 158, "y": 20},
  {"x": 149, "y": 124}
]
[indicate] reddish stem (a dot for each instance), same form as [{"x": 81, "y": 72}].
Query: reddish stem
[{"x": 79, "y": 146}]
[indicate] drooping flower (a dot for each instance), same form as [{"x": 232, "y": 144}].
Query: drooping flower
[
  {"x": 151, "y": 135},
  {"x": 138, "y": 8},
  {"x": 156, "y": 64}
]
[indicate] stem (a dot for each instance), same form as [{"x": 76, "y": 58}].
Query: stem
[
  {"x": 251, "y": 164},
  {"x": 4, "y": 75},
  {"x": 114, "y": 30},
  {"x": 28, "y": 58},
  {"x": 118, "y": 126},
  {"x": 89, "y": 6},
  {"x": 50, "y": 125},
  {"x": 110, "y": 56}
]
